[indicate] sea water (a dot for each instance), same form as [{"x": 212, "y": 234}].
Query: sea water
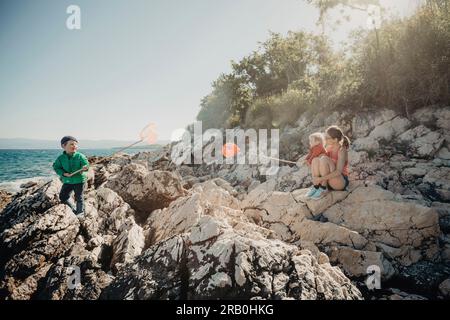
[{"x": 18, "y": 166}]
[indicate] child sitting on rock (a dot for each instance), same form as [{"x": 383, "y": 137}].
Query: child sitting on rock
[
  {"x": 316, "y": 149},
  {"x": 71, "y": 167}
]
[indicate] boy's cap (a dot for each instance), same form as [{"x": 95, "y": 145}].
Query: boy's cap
[{"x": 67, "y": 139}]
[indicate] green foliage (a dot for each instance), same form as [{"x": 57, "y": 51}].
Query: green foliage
[
  {"x": 408, "y": 65},
  {"x": 226, "y": 105},
  {"x": 404, "y": 64}
]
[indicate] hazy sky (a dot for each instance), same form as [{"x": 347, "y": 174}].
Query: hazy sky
[{"x": 133, "y": 61}]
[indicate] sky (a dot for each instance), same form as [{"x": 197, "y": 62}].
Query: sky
[{"x": 132, "y": 62}]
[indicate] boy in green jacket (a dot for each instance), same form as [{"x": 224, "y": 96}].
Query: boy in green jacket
[{"x": 71, "y": 167}]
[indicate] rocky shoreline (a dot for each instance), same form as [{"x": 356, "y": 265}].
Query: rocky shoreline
[
  {"x": 154, "y": 230},
  {"x": 5, "y": 198}
]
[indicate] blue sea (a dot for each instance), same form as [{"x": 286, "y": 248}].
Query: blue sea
[{"x": 18, "y": 166}]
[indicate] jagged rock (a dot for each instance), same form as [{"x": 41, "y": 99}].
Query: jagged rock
[
  {"x": 424, "y": 277},
  {"x": 32, "y": 240},
  {"x": 292, "y": 178},
  {"x": 422, "y": 142},
  {"x": 291, "y": 220},
  {"x": 278, "y": 211},
  {"x": 396, "y": 294},
  {"x": 81, "y": 265},
  {"x": 104, "y": 168},
  {"x": 5, "y": 198},
  {"x": 368, "y": 144},
  {"x": 390, "y": 129},
  {"x": 328, "y": 235},
  {"x": 146, "y": 191},
  {"x": 446, "y": 253},
  {"x": 382, "y": 133},
  {"x": 185, "y": 170},
  {"x": 317, "y": 207},
  {"x": 128, "y": 244},
  {"x": 105, "y": 212},
  {"x": 356, "y": 157},
  {"x": 253, "y": 185},
  {"x": 355, "y": 263},
  {"x": 30, "y": 246},
  {"x": 443, "y": 209},
  {"x": 410, "y": 230},
  {"x": 248, "y": 235},
  {"x": 28, "y": 184},
  {"x": 413, "y": 173},
  {"x": 189, "y": 181},
  {"x": 444, "y": 288},
  {"x": 34, "y": 200},
  {"x": 443, "y": 153},
  {"x": 433, "y": 116},
  {"x": 439, "y": 180},
  {"x": 364, "y": 123},
  {"x": 209, "y": 198},
  {"x": 239, "y": 174},
  {"x": 239, "y": 264}
]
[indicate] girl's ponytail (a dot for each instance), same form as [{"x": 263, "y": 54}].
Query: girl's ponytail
[
  {"x": 345, "y": 141},
  {"x": 336, "y": 133}
]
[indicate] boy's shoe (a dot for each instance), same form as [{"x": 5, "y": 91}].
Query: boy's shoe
[
  {"x": 71, "y": 206},
  {"x": 311, "y": 192},
  {"x": 319, "y": 193},
  {"x": 80, "y": 215}
]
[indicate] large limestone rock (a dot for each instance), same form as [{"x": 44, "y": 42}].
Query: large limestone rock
[
  {"x": 30, "y": 201},
  {"x": 367, "y": 144},
  {"x": 390, "y": 129},
  {"x": 293, "y": 178},
  {"x": 433, "y": 116},
  {"x": 128, "y": 244},
  {"x": 328, "y": 235},
  {"x": 364, "y": 123},
  {"x": 209, "y": 198},
  {"x": 290, "y": 216},
  {"x": 105, "y": 212},
  {"x": 278, "y": 211},
  {"x": 357, "y": 157},
  {"x": 78, "y": 276},
  {"x": 356, "y": 227},
  {"x": 443, "y": 153},
  {"x": 421, "y": 142},
  {"x": 381, "y": 134},
  {"x": 444, "y": 288},
  {"x": 317, "y": 207},
  {"x": 356, "y": 263},
  {"x": 29, "y": 247},
  {"x": 41, "y": 240},
  {"x": 215, "y": 260},
  {"x": 438, "y": 181},
  {"x": 105, "y": 168},
  {"x": 241, "y": 174},
  {"x": 404, "y": 231},
  {"x": 146, "y": 191}
]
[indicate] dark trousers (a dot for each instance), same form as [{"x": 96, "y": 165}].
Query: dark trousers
[{"x": 64, "y": 196}]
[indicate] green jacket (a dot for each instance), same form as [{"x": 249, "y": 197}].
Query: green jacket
[{"x": 66, "y": 163}]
